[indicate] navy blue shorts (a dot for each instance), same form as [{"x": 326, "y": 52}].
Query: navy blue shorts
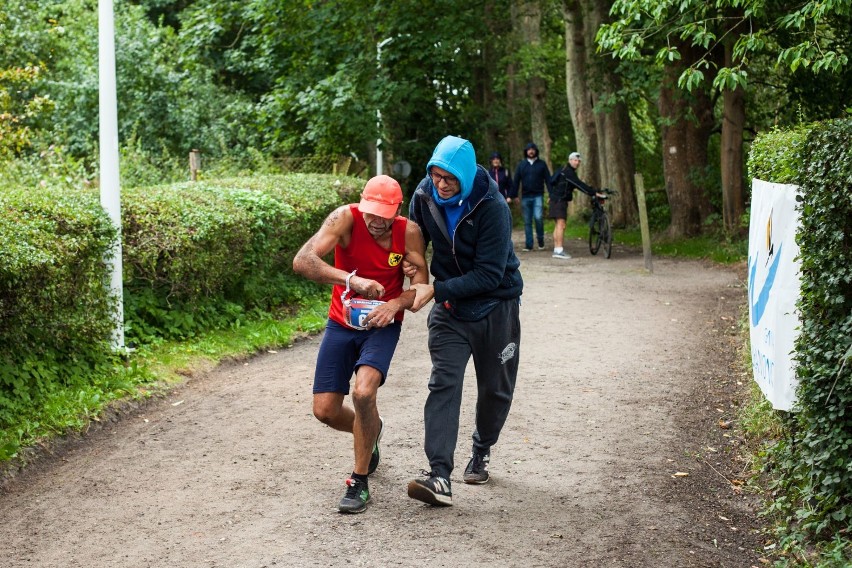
[{"x": 343, "y": 350}]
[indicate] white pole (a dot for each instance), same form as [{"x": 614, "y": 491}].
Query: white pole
[
  {"x": 109, "y": 182},
  {"x": 379, "y": 164}
]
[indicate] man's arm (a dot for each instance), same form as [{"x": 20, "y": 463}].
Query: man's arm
[
  {"x": 415, "y": 256},
  {"x": 573, "y": 179},
  {"x": 547, "y": 177},
  {"x": 308, "y": 262}
]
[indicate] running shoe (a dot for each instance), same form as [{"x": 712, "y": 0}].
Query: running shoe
[
  {"x": 476, "y": 471},
  {"x": 356, "y": 498},
  {"x": 434, "y": 490}
]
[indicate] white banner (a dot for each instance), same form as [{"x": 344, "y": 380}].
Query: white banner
[{"x": 773, "y": 288}]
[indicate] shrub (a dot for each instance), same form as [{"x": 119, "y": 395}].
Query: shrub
[
  {"x": 55, "y": 310},
  {"x": 198, "y": 255},
  {"x": 815, "y": 457}
]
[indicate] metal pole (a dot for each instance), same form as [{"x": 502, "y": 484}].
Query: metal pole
[
  {"x": 379, "y": 164},
  {"x": 109, "y": 180}
]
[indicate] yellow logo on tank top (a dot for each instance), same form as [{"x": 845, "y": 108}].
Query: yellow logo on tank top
[{"x": 394, "y": 259}]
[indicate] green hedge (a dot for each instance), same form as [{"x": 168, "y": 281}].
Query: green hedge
[
  {"x": 196, "y": 256},
  {"x": 816, "y": 457},
  {"x": 55, "y": 310}
]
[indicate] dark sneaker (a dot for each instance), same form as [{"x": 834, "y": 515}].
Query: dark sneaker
[
  {"x": 434, "y": 490},
  {"x": 374, "y": 459},
  {"x": 476, "y": 471},
  {"x": 356, "y": 498}
]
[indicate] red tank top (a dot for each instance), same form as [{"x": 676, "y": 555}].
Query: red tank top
[{"x": 371, "y": 261}]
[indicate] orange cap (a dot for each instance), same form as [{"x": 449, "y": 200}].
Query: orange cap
[{"x": 381, "y": 196}]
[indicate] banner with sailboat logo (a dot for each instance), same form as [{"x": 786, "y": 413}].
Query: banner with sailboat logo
[{"x": 773, "y": 289}]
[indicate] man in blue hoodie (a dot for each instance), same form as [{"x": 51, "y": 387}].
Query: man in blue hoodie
[
  {"x": 531, "y": 177},
  {"x": 477, "y": 287}
]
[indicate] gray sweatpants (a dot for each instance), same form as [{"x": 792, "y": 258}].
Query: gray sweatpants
[{"x": 494, "y": 343}]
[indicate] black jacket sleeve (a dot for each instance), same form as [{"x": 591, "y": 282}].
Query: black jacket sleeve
[{"x": 574, "y": 181}]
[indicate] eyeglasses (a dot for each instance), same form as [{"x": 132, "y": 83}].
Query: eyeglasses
[{"x": 449, "y": 180}]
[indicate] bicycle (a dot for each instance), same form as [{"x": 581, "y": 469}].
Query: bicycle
[{"x": 600, "y": 230}]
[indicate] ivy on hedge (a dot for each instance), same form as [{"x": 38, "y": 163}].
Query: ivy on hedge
[{"x": 816, "y": 457}]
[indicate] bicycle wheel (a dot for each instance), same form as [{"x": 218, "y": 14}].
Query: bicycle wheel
[
  {"x": 595, "y": 236},
  {"x": 606, "y": 235}
]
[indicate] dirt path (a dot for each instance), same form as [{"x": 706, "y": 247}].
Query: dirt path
[{"x": 624, "y": 378}]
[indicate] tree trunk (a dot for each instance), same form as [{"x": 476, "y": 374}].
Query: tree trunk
[
  {"x": 733, "y": 121},
  {"x": 515, "y": 102},
  {"x": 578, "y": 94},
  {"x": 615, "y": 131},
  {"x": 531, "y": 32},
  {"x": 620, "y": 166},
  {"x": 687, "y": 123}
]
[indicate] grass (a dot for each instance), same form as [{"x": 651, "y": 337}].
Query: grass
[
  {"x": 173, "y": 360},
  {"x": 154, "y": 369},
  {"x": 721, "y": 249}
]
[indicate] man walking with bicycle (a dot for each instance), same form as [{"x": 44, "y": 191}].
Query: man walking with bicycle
[{"x": 563, "y": 183}]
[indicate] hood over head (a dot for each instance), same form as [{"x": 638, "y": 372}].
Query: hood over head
[
  {"x": 533, "y": 146},
  {"x": 456, "y": 155}
]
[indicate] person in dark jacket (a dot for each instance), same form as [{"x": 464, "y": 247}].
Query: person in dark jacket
[
  {"x": 500, "y": 175},
  {"x": 563, "y": 184},
  {"x": 477, "y": 288},
  {"x": 531, "y": 177}
]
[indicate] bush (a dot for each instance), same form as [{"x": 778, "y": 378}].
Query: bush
[
  {"x": 815, "y": 458},
  {"x": 198, "y": 255},
  {"x": 56, "y": 315},
  {"x": 195, "y": 256}
]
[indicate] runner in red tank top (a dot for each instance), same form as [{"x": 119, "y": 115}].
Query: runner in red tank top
[{"x": 369, "y": 241}]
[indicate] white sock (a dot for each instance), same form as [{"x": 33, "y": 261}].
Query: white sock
[{"x": 557, "y": 250}]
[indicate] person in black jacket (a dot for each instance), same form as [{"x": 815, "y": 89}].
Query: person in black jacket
[
  {"x": 531, "y": 177},
  {"x": 477, "y": 287},
  {"x": 500, "y": 175},
  {"x": 563, "y": 184}
]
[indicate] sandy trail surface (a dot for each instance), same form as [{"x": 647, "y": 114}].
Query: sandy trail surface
[{"x": 624, "y": 379}]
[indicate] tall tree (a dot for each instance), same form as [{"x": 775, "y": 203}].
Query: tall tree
[
  {"x": 530, "y": 23},
  {"x": 599, "y": 113},
  {"x": 687, "y": 122},
  {"x": 696, "y": 41},
  {"x": 731, "y": 150},
  {"x": 615, "y": 132},
  {"x": 578, "y": 90}
]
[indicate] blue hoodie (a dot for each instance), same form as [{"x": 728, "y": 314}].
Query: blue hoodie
[{"x": 455, "y": 155}]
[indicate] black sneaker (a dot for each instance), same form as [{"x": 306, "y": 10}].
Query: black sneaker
[
  {"x": 434, "y": 490},
  {"x": 476, "y": 471},
  {"x": 356, "y": 498},
  {"x": 374, "y": 459}
]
